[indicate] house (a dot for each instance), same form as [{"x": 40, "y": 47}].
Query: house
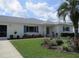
[{"x": 31, "y": 26}]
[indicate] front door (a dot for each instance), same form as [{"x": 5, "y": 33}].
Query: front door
[
  {"x": 3, "y": 30},
  {"x": 47, "y": 31}
]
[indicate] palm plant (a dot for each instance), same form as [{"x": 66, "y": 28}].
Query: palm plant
[{"x": 71, "y": 8}]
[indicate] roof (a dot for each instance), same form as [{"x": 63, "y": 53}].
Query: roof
[
  {"x": 25, "y": 20},
  {"x": 20, "y": 20}
]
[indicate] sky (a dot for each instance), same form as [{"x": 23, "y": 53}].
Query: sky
[{"x": 40, "y": 9}]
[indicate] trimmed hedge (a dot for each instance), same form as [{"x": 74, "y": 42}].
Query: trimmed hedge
[
  {"x": 31, "y": 36},
  {"x": 67, "y": 34}
]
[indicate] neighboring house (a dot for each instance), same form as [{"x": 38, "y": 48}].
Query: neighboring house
[{"x": 31, "y": 26}]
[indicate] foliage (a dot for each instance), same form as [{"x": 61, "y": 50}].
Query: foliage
[
  {"x": 52, "y": 43},
  {"x": 59, "y": 42},
  {"x": 46, "y": 41}
]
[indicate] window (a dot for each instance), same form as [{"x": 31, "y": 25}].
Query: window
[
  {"x": 30, "y": 29},
  {"x": 66, "y": 28}
]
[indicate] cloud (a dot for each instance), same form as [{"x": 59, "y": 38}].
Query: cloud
[
  {"x": 12, "y": 7},
  {"x": 41, "y": 10},
  {"x": 44, "y": 11}
]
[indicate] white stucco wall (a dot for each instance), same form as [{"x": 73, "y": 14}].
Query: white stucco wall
[
  {"x": 11, "y": 28},
  {"x": 59, "y": 29},
  {"x": 19, "y": 28}
]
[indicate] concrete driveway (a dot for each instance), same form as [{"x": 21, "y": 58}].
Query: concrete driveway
[{"x": 7, "y": 50}]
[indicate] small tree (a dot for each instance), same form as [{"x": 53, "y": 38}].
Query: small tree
[{"x": 70, "y": 7}]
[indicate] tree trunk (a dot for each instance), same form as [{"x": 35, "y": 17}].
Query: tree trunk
[
  {"x": 76, "y": 33},
  {"x": 76, "y": 41}
]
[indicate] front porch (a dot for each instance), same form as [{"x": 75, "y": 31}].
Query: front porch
[{"x": 50, "y": 30}]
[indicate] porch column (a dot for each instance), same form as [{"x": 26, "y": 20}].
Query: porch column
[
  {"x": 58, "y": 31},
  {"x": 50, "y": 31},
  {"x": 44, "y": 31}
]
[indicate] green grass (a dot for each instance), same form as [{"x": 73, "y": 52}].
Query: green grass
[{"x": 33, "y": 49}]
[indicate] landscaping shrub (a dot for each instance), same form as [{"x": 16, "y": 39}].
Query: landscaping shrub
[
  {"x": 59, "y": 42},
  {"x": 68, "y": 49},
  {"x": 24, "y": 36},
  {"x": 11, "y": 36},
  {"x": 49, "y": 42},
  {"x": 45, "y": 42},
  {"x": 18, "y": 36},
  {"x": 67, "y": 34},
  {"x": 32, "y": 36},
  {"x": 52, "y": 43},
  {"x": 65, "y": 48}
]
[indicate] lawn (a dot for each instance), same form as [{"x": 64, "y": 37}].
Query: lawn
[{"x": 31, "y": 48}]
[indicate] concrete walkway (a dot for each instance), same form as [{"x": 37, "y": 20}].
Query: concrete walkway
[{"x": 7, "y": 50}]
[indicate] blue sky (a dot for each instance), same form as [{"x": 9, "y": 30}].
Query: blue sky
[{"x": 41, "y": 9}]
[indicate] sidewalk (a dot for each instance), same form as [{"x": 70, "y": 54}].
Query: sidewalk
[{"x": 7, "y": 50}]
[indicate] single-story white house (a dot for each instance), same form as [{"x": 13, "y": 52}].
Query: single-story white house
[{"x": 31, "y": 26}]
